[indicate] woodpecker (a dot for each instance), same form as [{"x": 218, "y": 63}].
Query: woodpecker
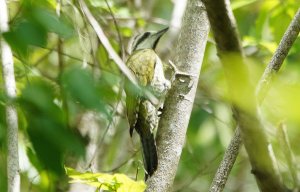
[{"x": 141, "y": 113}]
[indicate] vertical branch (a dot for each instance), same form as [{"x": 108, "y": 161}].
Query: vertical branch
[
  {"x": 242, "y": 93},
  {"x": 11, "y": 111},
  {"x": 179, "y": 101},
  {"x": 231, "y": 153}
]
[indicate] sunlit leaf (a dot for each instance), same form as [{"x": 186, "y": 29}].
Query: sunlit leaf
[
  {"x": 141, "y": 22},
  {"x": 270, "y": 46},
  {"x": 104, "y": 181},
  {"x": 126, "y": 32}
]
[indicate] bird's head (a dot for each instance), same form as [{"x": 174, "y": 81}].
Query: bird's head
[{"x": 146, "y": 40}]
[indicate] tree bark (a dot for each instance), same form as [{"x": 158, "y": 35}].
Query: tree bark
[
  {"x": 179, "y": 101},
  {"x": 227, "y": 163},
  {"x": 11, "y": 111}
]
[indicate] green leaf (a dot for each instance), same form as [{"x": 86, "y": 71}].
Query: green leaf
[
  {"x": 34, "y": 27},
  {"x": 24, "y": 34},
  {"x": 116, "y": 182},
  {"x": 81, "y": 87},
  {"x": 79, "y": 84},
  {"x": 51, "y": 22}
]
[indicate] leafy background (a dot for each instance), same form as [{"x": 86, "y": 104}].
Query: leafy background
[{"x": 71, "y": 105}]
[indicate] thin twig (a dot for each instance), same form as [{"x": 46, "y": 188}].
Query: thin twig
[
  {"x": 38, "y": 61},
  {"x": 201, "y": 171},
  {"x": 196, "y": 103},
  {"x": 59, "y": 56},
  {"x": 67, "y": 55},
  {"x": 123, "y": 163}
]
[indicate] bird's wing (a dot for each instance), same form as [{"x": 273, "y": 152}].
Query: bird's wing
[
  {"x": 132, "y": 104},
  {"x": 142, "y": 64}
]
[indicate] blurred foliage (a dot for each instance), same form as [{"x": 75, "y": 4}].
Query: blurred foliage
[
  {"x": 71, "y": 106},
  {"x": 33, "y": 24},
  {"x": 46, "y": 121}
]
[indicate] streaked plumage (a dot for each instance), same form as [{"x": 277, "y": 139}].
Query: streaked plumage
[{"x": 142, "y": 114}]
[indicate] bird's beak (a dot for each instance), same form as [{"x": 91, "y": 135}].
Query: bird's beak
[
  {"x": 156, "y": 36},
  {"x": 161, "y": 32}
]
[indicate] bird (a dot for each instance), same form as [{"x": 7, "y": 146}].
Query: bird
[{"x": 142, "y": 114}]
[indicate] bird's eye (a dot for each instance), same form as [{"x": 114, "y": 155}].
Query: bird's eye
[{"x": 146, "y": 34}]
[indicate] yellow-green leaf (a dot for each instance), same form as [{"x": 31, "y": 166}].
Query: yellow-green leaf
[{"x": 112, "y": 182}]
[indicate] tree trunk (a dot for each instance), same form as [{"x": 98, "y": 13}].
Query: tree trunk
[
  {"x": 11, "y": 112},
  {"x": 179, "y": 101}
]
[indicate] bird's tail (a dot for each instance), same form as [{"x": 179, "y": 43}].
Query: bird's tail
[
  {"x": 149, "y": 154},
  {"x": 144, "y": 125}
]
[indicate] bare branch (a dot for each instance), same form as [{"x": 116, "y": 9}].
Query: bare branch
[
  {"x": 11, "y": 111},
  {"x": 227, "y": 162},
  {"x": 179, "y": 101},
  {"x": 280, "y": 54}
]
